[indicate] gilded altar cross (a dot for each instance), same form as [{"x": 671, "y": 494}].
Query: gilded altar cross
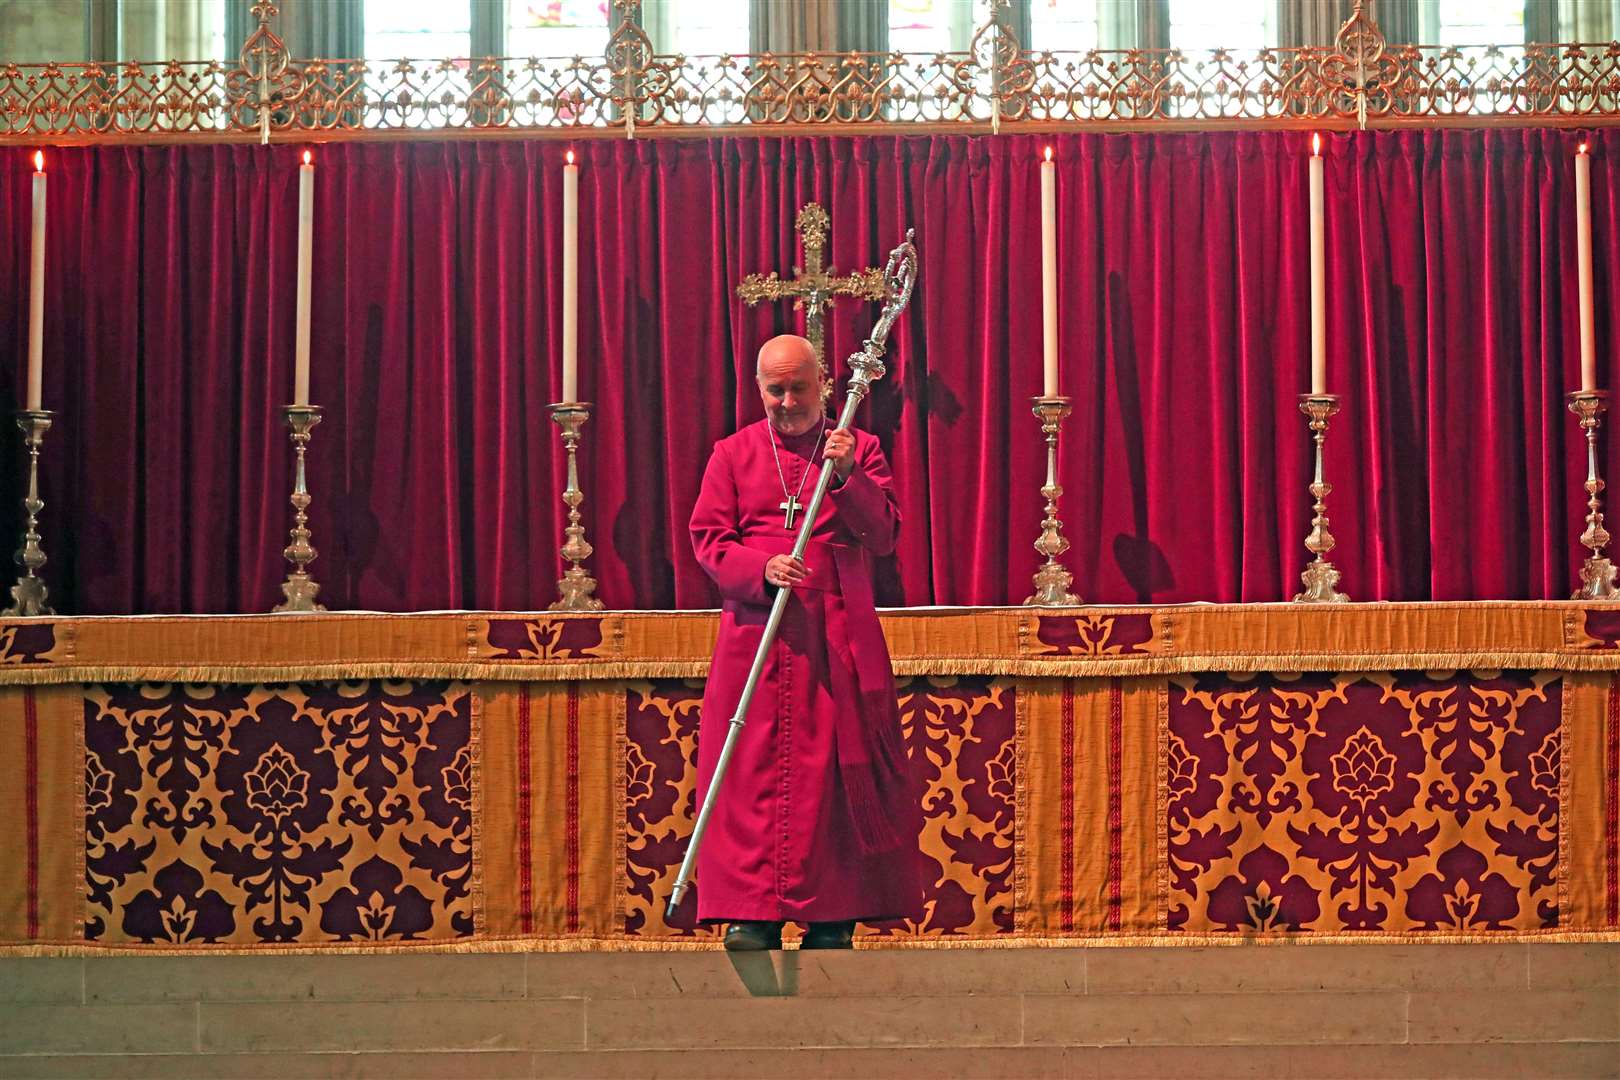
[{"x": 814, "y": 288}]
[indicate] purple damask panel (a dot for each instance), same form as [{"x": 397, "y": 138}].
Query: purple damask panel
[
  {"x": 1114, "y": 634},
  {"x": 1603, "y": 626},
  {"x": 960, "y": 736},
  {"x": 1387, "y": 802},
  {"x": 378, "y": 904},
  {"x": 545, "y": 638},
  {"x": 27, "y": 643},
  {"x": 179, "y": 909},
  {"x": 660, "y": 769},
  {"x": 278, "y": 813}
]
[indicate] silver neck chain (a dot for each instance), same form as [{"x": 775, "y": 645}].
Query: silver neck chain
[{"x": 781, "y": 476}]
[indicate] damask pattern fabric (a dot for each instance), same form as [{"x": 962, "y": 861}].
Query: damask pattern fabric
[
  {"x": 1091, "y": 776},
  {"x": 1389, "y": 801},
  {"x": 242, "y": 815}
]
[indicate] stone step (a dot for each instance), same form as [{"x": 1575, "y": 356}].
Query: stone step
[
  {"x": 1488, "y": 1009},
  {"x": 863, "y": 972}
]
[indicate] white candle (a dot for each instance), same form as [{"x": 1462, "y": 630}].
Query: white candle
[
  {"x": 1583, "y": 264},
  {"x": 1318, "y": 274},
  {"x": 1049, "y": 320},
  {"x": 36, "y": 287},
  {"x": 570, "y": 282},
  {"x": 306, "y": 227}
]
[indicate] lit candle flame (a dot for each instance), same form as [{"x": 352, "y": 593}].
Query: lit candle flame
[
  {"x": 1048, "y": 153},
  {"x": 307, "y": 157},
  {"x": 1316, "y": 145},
  {"x": 39, "y": 161},
  {"x": 570, "y": 157},
  {"x": 1581, "y": 149}
]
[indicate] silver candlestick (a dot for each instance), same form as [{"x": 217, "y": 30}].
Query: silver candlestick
[
  {"x": 1052, "y": 580},
  {"x": 299, "y": 588},
  {"x": 576, "y": 585},
  {"x": 1597, "y": 572},
  {"x": 29, "y": 594},
  {"x": 1320, "y": 576}
]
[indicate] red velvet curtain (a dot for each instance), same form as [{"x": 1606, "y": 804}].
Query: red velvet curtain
[{"x": 437, "y": 471}]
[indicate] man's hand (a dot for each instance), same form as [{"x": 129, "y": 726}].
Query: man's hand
[
  {"x": 785, "y": 570},
  {"x": 841, "y": 452}
]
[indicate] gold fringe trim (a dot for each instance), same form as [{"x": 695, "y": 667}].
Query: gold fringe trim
[
  {"x": 1167, "y": 939},
  {"x": 470, "y": 671},
  {"x": 1066, "y": 667},
  {"x": 1090, "y": 667},
  {"x": 713, "y": 944}
]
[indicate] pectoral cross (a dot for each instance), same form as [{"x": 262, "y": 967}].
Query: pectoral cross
[
  {"x": 813, "y": 288},
  {"x": 789, "y": 506}
]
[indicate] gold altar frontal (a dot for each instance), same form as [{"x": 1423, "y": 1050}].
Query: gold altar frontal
[{"x": 499, "y": 781}]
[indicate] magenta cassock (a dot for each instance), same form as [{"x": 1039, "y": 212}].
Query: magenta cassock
[{"x": 819, "y": 813}]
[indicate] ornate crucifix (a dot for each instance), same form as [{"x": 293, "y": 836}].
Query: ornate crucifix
[{"x": 813, "y": 288}]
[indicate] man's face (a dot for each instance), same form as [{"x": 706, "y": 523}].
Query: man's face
[{"x": 790, "y": 387}]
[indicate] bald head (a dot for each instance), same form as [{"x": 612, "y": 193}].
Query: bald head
[
  {"x": 783, "y": 355},
  {"x": 789, "y": 383}
]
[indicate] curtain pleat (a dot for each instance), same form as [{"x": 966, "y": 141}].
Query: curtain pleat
[
  {"x": 802, "y": 26},
  {"x": 324, "y": 28},
  {"x": 1310, "y": 22},
  {"x": 1541, "y": 21},
  {"x": 1583, "y": 20},
  {"x": 819, "y": 26},
  {"x": 1400, "y": 20},
  {"x": 1129, "y": 24},
  {"x": 863, "y": 26}
]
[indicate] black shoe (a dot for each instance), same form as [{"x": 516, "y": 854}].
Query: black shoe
[
  {"x": 745, "y": 936},
  {"x": 829, "y": 935}
]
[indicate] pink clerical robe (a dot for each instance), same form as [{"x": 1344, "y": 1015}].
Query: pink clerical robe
[{"x": 819, "y": 812}]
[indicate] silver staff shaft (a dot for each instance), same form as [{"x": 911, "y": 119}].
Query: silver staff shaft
[{"x": 899, "y": 276}]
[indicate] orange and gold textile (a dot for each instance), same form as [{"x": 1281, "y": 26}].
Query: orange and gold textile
[{"x": 484, "y": 781}]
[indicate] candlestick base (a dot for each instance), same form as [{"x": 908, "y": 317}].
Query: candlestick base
[
  {"x": 576, "y": 585},
  {"x": 299, "y": 592},
  {"x": 574, "y": 590},
  {"x": 300, "y": 589},
  {"x": 1052, "y": 583},
  {"x": 1320, "y": 577},
  {"x": 1597, "y": 572},
  {"x": 29, "y": 595},
  {"x": 1052, "y": 580},
  {"x": 1597, "y": 580}
]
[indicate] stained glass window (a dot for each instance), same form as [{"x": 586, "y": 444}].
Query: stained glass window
[{"x": 556, "y": 27}]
